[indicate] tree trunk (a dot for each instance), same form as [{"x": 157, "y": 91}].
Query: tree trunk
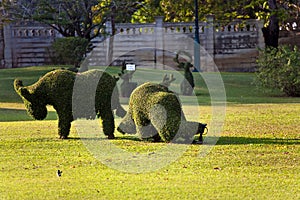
[{"x": 271, "y": 32}]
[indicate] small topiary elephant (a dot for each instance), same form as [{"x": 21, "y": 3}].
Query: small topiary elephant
[
  {"x": 155, "y": 112},
  {"x": 56, "y": 88}
]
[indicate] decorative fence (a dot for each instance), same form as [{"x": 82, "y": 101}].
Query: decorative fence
[
  {"x": 26, "y": 44},
  {"x": 233, "y": 47}
]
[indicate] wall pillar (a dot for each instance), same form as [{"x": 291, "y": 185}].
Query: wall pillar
[
  {"x": 261, "y": 39},
  {"x": 210, "y": 35},
  {"x": 8, "y": 48},
  {"x": 207, "y": 57},
  {"x": 159, "y": 42},
  {"x": 1, "y": 46},
  {"x": 110, "y": 43}
]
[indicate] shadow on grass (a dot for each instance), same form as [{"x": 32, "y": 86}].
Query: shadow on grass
[
  {"x": 221, "y": 141},
  {"x": 247, "y": 140},
  {"x": 117, "y": 138},
  {"x": 10, "y": 114}
]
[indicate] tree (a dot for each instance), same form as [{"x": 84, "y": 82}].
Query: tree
[
  {"x": 278, "y": 68},
  {"x": 183, "y": 10},
  {"x": 271, "y": 32},
  {"x": 69, "y": 17},
  {"x": 82, "y": 18},
  {"x": 274, "y": 13},
  {"x": 121, "y": 11},
  {"x": 147, "y": 12}
]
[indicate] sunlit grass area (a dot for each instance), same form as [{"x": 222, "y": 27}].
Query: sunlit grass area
[{"x": 256, "y": 157}]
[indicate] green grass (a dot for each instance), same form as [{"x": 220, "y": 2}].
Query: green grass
[{"x": 257, "y": 156}]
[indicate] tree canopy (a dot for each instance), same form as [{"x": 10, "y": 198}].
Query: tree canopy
[
  {"x": 82, "y": 18},
  {"x": 274, "y": 13},
  {"x": 224, "y": 10},
  {"x": 86, "y": 18}
]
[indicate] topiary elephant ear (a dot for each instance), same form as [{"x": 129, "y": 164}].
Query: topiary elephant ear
[
  {"x": 21, "y": 90},
  {"x": 34, "y": 106}
]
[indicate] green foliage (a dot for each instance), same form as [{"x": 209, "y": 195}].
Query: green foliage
[
  {"x": 56, "y": 88},
  {"x": 155, "y": 112},
  {"x": 183, "y": 10},
  {"x": 69, "y": 50},
  {"x": 280, "y": 68},
  {"x": 69, "y": 17},
  {"x": 121, "y": 11},
  {"x": 224, "y": 11}
]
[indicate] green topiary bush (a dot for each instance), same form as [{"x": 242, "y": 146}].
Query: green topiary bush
[
  {"x": 187, "y": 85},
  {"x": 155, "y": 112},
  {"x": 280, "y": 69},
  {"x": 127, "y": 86},
  {"x": 57, "y": 87}
]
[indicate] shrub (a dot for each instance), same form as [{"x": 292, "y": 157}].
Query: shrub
[
  {"x": 187, "y": 85},
  {"x": 56, "y": 88},
  {"x": 155, "y": 112},
  {"x": 280, "y": 69},
  {"x": 69, "y": 50},
  {"x": 127, "y": 86}
]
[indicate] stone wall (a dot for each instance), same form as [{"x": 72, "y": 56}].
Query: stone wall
[
  {"x": 233, "y": 47},
  {"x": 150, "y": 45},
  {"x": 236, "y": 45},
  {"x": 27, "y": 44}
]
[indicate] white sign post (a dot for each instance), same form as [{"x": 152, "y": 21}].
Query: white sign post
[{"x": 130, "y": 67}]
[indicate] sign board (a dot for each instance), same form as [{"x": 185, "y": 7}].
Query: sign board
[{"x": 130, "y": 67}]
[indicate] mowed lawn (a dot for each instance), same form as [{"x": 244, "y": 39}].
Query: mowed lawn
[{"x": 256, "y": 157}]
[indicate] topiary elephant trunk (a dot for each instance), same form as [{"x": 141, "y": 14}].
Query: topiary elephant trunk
[{"x": 56, "y": 88}]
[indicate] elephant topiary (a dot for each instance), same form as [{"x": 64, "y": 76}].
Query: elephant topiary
[
  {"x": 56, "y": 88},
  {"x": 155, "y": 112}
]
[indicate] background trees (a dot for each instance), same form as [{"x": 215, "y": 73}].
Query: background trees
[
  {"x": 275, "y": 13},
  {"x": 86, "y": 18},
  {"x": 81, "y": 18},
  {"x": 73, "y": 19},
  {"x": 70, "y": 18}
]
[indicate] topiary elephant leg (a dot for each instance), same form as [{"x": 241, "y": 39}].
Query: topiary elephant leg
[
  {"x": 64, "y": 128},
  {"x": 127, "y": 125},
  {"x": 147, "y": 131},
  {"x": 64, "y": 122},
  {"x": 144, "y": 127},
  {"x": 157, "y": 138},
  {"x": 108, "y": 123}
]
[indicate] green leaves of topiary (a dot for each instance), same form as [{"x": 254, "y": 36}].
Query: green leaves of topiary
[
  {"x": 56, "y": 88},
  {"x": 280, "y": 69},
  {"x": 155, "y": 112}
]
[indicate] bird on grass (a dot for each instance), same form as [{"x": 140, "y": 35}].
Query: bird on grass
[{"x": 59, "y": 172}]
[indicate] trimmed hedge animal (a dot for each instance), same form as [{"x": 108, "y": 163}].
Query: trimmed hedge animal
[
  {"x": 126, "y": 86},
  {"x": 187, "y": 85},
  {"x": 56, "y": 88},
  {"x": 155, "y": 112}
]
